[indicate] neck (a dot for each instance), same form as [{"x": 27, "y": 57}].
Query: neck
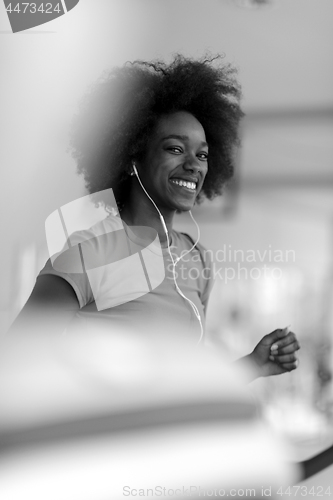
[{"x": 140, "y": 211}]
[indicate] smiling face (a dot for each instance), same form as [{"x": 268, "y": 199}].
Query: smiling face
[{"x": 176, "y": 161}]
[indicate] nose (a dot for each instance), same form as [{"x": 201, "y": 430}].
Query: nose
[{"x": 192, "y": 163}]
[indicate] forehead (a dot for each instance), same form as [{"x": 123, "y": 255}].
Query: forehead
[{"x": 179, "y": 123}]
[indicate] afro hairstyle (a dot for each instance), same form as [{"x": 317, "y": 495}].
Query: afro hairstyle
[{"x": 119, "y": 112}]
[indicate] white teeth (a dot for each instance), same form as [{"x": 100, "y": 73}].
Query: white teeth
[{"x": 189, "y": 185}]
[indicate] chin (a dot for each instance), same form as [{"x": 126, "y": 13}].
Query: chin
[{"x": 186, "y": 207}]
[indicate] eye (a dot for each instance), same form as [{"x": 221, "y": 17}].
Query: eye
[
  {"x": 203, "y": 156},
  {"x": 175, "y": 149}
]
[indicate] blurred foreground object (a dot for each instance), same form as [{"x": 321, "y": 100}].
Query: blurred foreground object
[
  {"x": 99, "y": 416},
  {"x": 253, "y": 4}
]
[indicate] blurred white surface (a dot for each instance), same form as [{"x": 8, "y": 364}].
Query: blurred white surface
[{"x": 46, "y": 386}]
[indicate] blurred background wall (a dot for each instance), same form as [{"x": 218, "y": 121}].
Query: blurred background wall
[{"x": 277, "y": 213}]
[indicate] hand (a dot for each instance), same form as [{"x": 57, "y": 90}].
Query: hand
[{"x": 276, "y": 353}]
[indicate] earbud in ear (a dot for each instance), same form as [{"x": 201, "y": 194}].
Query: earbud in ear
[
  {"x": 132, "y": 173},
  {"x": 135, "y": 172}
]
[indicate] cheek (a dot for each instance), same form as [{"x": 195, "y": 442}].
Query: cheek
[
  {"x": 162, "y": 170},
  {"x": 204, "y": 180},
  {"x": 205, "y": 172}
]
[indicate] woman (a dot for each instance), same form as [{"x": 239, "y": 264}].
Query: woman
[{"x": 162, "y": 137}]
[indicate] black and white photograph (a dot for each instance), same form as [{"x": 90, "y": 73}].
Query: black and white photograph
[{"x": 166, "y": 297}]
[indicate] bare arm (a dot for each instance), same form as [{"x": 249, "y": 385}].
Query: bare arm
[{"x": 50, "y": 307}]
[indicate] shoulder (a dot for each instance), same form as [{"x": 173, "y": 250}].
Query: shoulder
[
  {"x": 108, "y": 225},
  {"x": 84, "y": 249}
]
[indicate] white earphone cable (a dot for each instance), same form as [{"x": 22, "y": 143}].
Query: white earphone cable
[{"x": 175, "y": 262}]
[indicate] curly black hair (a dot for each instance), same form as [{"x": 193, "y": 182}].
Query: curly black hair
[{"x": 118, "y": 114}]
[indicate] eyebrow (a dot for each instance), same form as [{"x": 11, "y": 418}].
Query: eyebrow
[{"x": 183, "y": 138}]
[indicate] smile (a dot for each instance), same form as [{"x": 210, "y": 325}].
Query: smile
[{"x": 189, "y": 185}]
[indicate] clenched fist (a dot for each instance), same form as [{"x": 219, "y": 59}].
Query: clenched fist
[{"x": 276, "y": 353}]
